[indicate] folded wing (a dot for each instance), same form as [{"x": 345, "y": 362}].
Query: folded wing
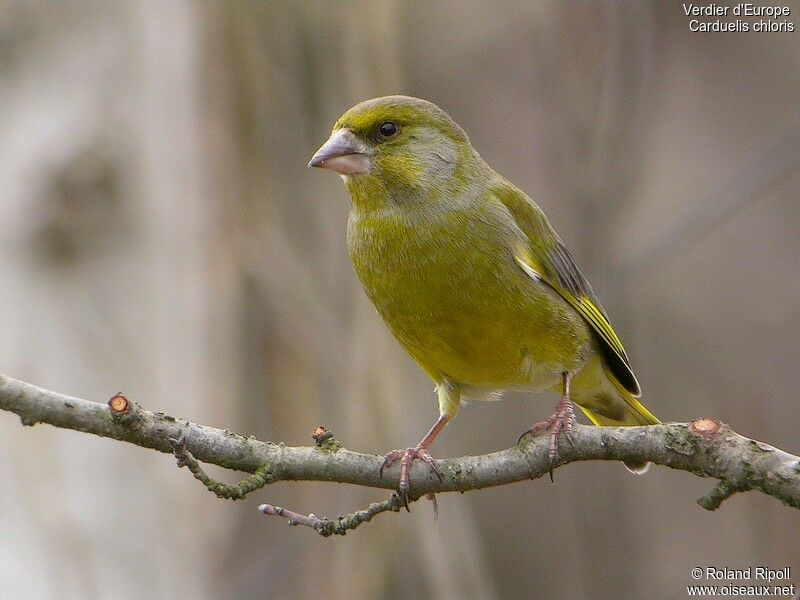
[{"x": 546, "y": 258}]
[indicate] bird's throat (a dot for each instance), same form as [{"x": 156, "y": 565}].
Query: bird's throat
[{"x": 367, "y": 192}]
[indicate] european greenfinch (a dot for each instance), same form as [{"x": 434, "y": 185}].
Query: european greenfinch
[{"x": 469, "y": 275}]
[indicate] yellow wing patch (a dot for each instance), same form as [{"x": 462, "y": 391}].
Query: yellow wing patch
[
  {"x": 593, "y": 314},
  {"x": 582, "y": 304}
]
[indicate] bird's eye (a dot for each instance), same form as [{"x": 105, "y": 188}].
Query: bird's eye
[{"x": 388, "y": 129}]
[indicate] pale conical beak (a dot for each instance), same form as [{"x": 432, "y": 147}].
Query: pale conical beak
[{"x": 343, "y": 153}]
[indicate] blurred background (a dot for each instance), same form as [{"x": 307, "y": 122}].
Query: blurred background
[{"x": 161, "y": 235}]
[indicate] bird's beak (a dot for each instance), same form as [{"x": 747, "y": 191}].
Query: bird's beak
[{"x": 343, "y": 153}]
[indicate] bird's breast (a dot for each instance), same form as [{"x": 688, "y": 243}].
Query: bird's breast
[{"x": 448, "y": 288}]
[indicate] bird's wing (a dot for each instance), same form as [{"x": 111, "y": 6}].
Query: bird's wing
[{"x": 544, "y": 257}]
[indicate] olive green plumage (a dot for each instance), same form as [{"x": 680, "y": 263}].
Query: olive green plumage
[{"x": 465, "y": 269}]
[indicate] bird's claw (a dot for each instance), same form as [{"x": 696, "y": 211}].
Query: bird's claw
[
  {"x": 406, "y": 458},
  {"x": 562, "y": 420}
]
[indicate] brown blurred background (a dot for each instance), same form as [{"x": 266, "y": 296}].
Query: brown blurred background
[{"x": 161, "y": 235}]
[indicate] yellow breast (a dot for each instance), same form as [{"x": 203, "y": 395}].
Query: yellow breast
[{"x": 450, "y": 291}]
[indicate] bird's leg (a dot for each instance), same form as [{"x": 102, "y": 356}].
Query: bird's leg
[
  {"x": 407, "y": 456},
  {"x": 563, "y": 419},
  {"x": 449, "y": 395}
]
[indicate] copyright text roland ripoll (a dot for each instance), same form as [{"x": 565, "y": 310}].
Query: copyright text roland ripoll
[{"x": 752, "y": 582}]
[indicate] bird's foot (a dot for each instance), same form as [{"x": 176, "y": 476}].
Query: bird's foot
[
  {"x": 406, "y": 457},
  {"x": 562, "y": 420}
]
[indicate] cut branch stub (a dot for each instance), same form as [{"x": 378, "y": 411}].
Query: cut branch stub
[{"x": 118, "y": 404}]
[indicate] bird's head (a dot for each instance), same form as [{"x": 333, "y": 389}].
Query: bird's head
[{"x": 398, "y": 147}]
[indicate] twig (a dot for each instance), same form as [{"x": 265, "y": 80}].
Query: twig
[
  {"x": 722, "y": 491},
  {"x": 704, "y": 447},
  {"x": 229, "y": 491},
  {"x": 339, "y": 525}
]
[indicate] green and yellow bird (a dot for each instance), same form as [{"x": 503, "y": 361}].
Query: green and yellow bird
[{"x": 469, "y": 275}]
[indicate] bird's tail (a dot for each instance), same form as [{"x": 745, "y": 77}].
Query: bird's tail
[{"x": 607, "y": 403}]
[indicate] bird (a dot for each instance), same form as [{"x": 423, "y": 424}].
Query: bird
[{"x": 470, "y": 277}]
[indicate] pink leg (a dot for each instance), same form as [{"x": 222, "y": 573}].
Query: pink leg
[
  {"x": 563, "y": 419},
  {"x": 407, "y": 456}
]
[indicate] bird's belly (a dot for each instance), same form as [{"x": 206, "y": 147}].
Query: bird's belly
[
  {"x": 471, "y": 315},
  {"x": 508, "y": 344}
]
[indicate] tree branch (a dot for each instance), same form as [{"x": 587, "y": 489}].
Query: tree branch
[{"x": 704, "y": 447}]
